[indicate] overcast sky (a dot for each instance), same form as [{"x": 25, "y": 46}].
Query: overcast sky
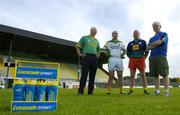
[{"x": 71, "y": 19}]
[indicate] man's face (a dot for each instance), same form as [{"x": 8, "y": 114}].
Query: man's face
[
  {"x": 136, "y": 34},
  {"x": 115, "y": 34},
  {"x": 93, "y": 31},
  {"x": 156, "y": 28}
]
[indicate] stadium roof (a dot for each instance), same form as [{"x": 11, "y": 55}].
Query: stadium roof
[{"x": 27, "y": 44}]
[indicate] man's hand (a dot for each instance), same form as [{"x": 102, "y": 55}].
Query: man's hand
[
  {"x": 154, "y": 44},
  {"x": 82, "y": 55},
  {"x": 98, "y": 54},
  {"x": 146, "y": 54},
  {"x": 123, "y": 53},
  {"x": 122, "y": 56}
]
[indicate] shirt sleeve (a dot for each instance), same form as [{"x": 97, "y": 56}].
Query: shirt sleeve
[
  {"x": 123, "y": 47},
  {"x": 164, "y": 38},
  {"x": 80, "y": 43},
  {"x": 128, "y": 49},
  {"x": 144, "y": 45}
]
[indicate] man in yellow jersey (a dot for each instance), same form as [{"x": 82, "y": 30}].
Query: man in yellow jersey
[{"x": 90, "y": 54}]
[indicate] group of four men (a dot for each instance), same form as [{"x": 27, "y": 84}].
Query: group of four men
[{"x": 137, "y": 51}]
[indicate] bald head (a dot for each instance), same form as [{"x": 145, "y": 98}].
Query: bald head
[
  {"x": 115, "y": 34},
  {"x": 156, "y": 26},
  {"x": 136, "y": 34},
  {"x": 93, "y": 31}
]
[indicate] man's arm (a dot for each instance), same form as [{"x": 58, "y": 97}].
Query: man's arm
[
  {"x": 149, "y": 47},
  {"x": 158, "y": 42},
  {"x": 128, "y": 50},
  {"x": 78, "y": 47},
  {"x": 123, "y": 50},
  {"x": 98, "y": 51},
  {"x": 146, "y": 53},
  {"x": 105, "y": 49},
  {"x": 154, "y": 44},
  {"x": 79, "y": 51}
]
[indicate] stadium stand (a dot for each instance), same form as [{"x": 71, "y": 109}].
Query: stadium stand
[{"x": 21, "y": 44}]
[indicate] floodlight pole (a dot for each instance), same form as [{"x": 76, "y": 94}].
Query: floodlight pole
[
  {"x": 9, "y": 57},
  {"x": 8, "y": 63}
]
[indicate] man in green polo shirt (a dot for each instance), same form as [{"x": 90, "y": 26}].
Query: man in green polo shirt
[{"x": 90, "y": 54}]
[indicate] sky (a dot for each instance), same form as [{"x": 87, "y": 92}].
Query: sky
[{"x": 71, "y": 19}]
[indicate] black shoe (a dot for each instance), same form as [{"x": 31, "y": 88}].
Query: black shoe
[
  {"x": 146, "y": 93},
  {"x": 90, "y": 93},
  {"x": 108, "y": 93},
  {"x": 79, "y": 94},
  {"x": 131, "y": 92}
]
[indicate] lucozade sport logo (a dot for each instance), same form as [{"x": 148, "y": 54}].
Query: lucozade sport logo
[
  {"x": 33, "y": 107},
  {"x": 41, "y": 73}
]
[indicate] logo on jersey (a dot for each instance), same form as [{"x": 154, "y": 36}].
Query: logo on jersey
[
  {"x": 135, "y": 47},
  {"x": 115, "y": 47}
]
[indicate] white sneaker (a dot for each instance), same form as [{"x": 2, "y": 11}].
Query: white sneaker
[{"x": 156, "y": 92}]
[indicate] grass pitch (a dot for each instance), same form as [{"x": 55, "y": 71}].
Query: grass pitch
[{"x": 101, "y": 104}]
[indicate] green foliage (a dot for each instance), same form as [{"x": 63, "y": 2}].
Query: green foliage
[{"x": 101, "y": 104}]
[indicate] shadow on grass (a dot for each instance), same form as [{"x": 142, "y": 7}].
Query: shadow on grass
[{"x": 5, "y": 109}]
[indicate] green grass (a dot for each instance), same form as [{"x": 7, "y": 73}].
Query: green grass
[{"x": 101, "y": 104}]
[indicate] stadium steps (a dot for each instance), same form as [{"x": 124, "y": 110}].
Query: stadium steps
[{"x": 67, "y": 71}]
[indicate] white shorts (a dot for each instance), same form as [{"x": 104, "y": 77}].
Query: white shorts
[{"x": 115, "y": 63}]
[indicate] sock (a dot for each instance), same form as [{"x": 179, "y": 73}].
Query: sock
[
  {"x": 109, "y": 89},
  {"x": 166, "y": 90},
  {"x": 131, "y": 89},
  {"x": 145, "y": 88},
  {"x": 121, "y": 89}
]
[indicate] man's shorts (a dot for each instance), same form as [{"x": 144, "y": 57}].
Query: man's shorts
[
  {"x": 158, "y": 66},
  {"x": 115, "y": 63},
  {"x": 137, "y": 63}
]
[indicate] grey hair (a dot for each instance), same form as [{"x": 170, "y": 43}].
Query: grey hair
[{"x": 156, "y": 23}]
